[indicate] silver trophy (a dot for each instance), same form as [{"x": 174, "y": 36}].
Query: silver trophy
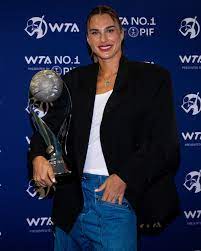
[{"x": 46, "y": 86}]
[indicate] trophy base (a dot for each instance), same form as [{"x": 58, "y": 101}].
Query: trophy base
[
  {"x": 61, "y": 178},
  {"x": 60, "y": 169}
]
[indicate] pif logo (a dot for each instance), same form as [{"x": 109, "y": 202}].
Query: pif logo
[{"x": 139, "y": 26}]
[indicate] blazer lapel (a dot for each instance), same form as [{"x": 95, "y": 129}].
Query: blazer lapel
[
  {"x": 85, "y": 98},
  {"x": 87, "y": 92},
  {"x": 85, "y": 103},
  {"x": 120, "y": 86}
]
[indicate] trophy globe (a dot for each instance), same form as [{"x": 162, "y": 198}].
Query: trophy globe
[{"x": 46, "y": 86}]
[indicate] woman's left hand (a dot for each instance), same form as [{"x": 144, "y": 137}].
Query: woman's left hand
[{"x": 114, "y": 188}]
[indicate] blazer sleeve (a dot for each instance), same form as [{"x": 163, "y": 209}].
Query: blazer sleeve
[
  {"x": 54, "y": 119},
  {"x": 158, "y": 151}
]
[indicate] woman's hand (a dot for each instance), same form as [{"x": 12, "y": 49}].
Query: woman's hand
[
  {"x": 114, "y": 188},
  {"x": 43, "y": 173}
]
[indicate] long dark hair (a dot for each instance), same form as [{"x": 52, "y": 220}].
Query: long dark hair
[{"x": 104, "y": 9}]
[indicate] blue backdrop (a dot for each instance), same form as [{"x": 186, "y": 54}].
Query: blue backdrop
[{"x": 46, "y": 34}]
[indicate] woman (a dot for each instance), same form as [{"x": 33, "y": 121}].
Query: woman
[{"x": 123, "y": 146}]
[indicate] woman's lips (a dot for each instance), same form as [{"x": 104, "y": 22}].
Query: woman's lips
[{"x": 105, "y": 47}]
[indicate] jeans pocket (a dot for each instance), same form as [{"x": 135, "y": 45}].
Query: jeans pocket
[{"x": 125, "y": 204}]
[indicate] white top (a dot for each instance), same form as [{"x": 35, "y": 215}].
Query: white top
[{"x": 95, "y": 162}]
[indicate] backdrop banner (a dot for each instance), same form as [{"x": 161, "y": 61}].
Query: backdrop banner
[{"x": 38, "y": 35}]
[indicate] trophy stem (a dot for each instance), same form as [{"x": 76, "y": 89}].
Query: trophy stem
[{"x": 59, "y": 166}]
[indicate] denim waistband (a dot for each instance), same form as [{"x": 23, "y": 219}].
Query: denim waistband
[
  {"x": 89, "y": 176},
  {"x": 93, "y": 180}
]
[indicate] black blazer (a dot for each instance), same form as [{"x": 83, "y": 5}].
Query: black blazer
[{"x": 138, "y": 137}]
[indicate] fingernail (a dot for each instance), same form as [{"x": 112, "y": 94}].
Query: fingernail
[
  {"x": 53, "y": 180},
  {"x": 96, "y": 190}
]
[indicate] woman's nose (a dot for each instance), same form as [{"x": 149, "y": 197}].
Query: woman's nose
[{"x": 103, "y": 37}]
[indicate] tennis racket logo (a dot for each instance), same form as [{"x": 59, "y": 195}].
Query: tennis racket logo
[
  {"x": 192, "y": 181},
  {"x": 190, "y": 27},
  {"x": 36, "y": 26},
  {"x": 192, "y": 104}
]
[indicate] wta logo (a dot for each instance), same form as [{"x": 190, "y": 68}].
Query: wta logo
[
  {"x": 192, "y": 181},
  {"x": 190, "y": 27},
  {"x": 39, "y": 225},
  {"x": 195, "y": 214},
  {"x": 42, "y": 221},
  {"x": 192, "y": 104},
  {"x": 192, "y": 139},
  {"x": 190, "y": 59},
  {"x": 38, "y": 192},
  {"x": 37, "y": 27},
  {"x": 193, "y": 218}
]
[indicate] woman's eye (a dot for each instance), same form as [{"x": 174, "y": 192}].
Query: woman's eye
[
  {"x": 110, "y": 30},
  {"x": 94, "y": 32}
]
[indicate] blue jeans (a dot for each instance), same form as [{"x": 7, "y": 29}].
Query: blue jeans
[{"x": 101, "y": 225}]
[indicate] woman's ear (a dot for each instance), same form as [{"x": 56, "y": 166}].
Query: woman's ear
[{"x": 88, "y": 40}]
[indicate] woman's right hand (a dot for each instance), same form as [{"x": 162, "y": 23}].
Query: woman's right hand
[{"x": 43, "y": 173}]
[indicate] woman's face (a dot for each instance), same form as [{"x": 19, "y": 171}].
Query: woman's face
[{"x": 104, "y": 36}]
